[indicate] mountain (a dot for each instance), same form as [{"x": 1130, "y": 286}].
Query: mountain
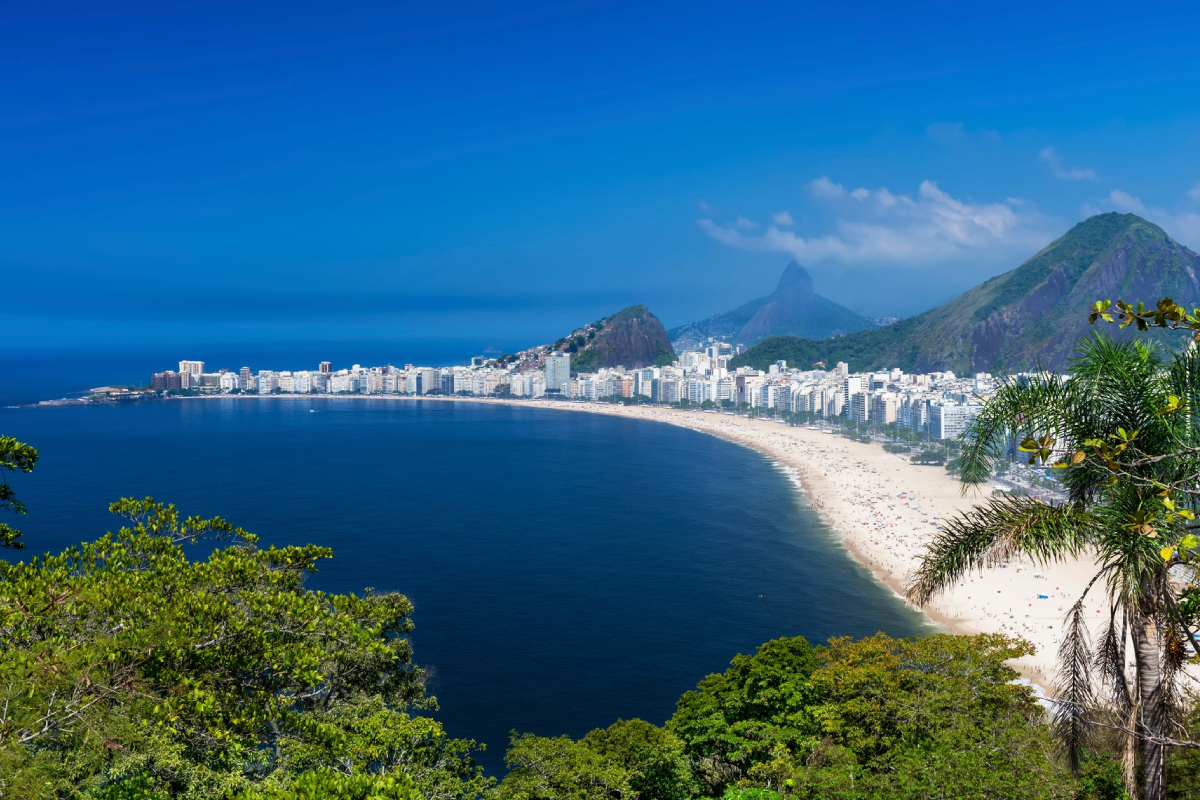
[
  {"x": 632, "y": 338},
  {"x": 1030, "y": 316},
  {"x": 793, "y": 309}
]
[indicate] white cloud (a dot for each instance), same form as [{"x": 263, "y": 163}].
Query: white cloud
[
  {"x": 1183, "y": 227},
  {"x": 1055, "y": 163},
  {"x": 708, "y": 208},
  {"x": 783, "y": 219},
  {"x": 744, "y": 224},
  {"x": 824, "y": 188},
  {"x": 879, "y": 227},
  {"x": 1194, "y": 193}
]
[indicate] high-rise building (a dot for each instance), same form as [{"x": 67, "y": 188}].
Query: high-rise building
[
  {"x": 192, "y": 367},
  {"x": 860, "y": 407},
  {"x": 164, "y": 380},
  {"x": 428, "y": 381},
  {"x": 558, "y": 374},
  {"x": 950, "y": 421},
  {"x": 244, "y": 378},
  {"x": 851, "y": 385},
  {"x": 326, "y": 367}
]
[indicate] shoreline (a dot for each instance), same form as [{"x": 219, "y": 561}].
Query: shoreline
[
  {"x": 833, "y": 470},
  {"x": 882, "y": 510}
]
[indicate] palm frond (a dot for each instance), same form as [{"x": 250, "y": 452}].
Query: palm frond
[
  {"x": 1109, "y": 659},
  {"x": 993, "y": 532},
  {"x": 1176, "y": 651},
  {"x": 1122, "y": 706},
  {"x": 1073, "y": 693},
  {"x": 1020, "y": 406}
]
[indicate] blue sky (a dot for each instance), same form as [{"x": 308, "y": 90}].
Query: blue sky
[{"x": 219, "y": 172}]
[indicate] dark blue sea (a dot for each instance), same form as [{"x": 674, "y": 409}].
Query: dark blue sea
[{"x": 567, "y": 569}]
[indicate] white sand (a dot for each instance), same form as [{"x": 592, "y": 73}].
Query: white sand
[{"x": 886, "y": 509}]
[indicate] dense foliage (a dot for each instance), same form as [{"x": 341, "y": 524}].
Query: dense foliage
[
  {"x": 879, "y": 718},
  {"x": 122, "y": 660},
  {"x": 14, "y": 457}
]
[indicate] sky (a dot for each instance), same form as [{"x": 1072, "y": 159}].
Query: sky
[{"x": 240, "y": 174}]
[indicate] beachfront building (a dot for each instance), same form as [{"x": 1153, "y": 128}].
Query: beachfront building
[
  {"x": 884, "y": 408},
  {"x": 558, "y": 374},
  {"x": 939, "y": 403},
  {"x": 860, "y": 407},
  {"x": 947, "y": 421},
  {"x": 191, "y": 367}
]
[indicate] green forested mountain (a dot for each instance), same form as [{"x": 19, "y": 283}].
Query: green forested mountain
[
  {"x": 793, "y": 309},
  {"x": 1030, "y": 316}
]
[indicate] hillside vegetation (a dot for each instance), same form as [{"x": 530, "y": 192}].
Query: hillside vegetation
[
  {"x": 632, "y": 338},
  {"x": 1027, "y": 317}
]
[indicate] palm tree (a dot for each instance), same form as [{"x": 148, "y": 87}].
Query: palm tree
[{"x": 1123, "y": 434}]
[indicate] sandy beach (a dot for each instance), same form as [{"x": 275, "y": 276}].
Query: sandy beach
[{"x": 886, "y": 509}]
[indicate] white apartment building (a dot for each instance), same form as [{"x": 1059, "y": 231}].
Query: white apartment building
[
  {"x": 558, "y": 374},
  {"x": 949, "y": 421},
  {"x": 191, "y": 368},
  {"x": 852, "y": 385},
  {"x": 860, "y": 407}
]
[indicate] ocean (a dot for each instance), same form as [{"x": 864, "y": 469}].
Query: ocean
[{"x": 567, "y": 569}]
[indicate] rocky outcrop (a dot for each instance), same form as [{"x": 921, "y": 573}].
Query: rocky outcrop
[{"x": 631, "y": 338}]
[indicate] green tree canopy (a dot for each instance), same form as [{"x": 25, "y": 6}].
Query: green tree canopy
[
  {"x": 542, "y": 768},
  {"x": 123, "y": 660},
  {"x": 14, "y": 457},
  {"x": 653, "y": 757},
  {"x": 737, "y": 719},
  {"x": 877, "y": 718}
]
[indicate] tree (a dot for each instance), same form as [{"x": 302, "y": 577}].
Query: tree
[
  {"x": 653, "y": 757},
  {"x": 129, "y": 668},
  {"x": 327, "y": 784},
  {"x": 738, "y": 719},
  {"x": 1128, "y": 455},
  {"x": 877, "y": 718},
  {"x": 542, "y": 768},
  {"x": 14, "y": 457},
  {"x": 930, "y": 717}
]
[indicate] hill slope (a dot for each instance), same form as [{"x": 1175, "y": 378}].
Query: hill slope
[
  {"x": 1032, "y": 315},
  {"x": 793, "y": 309},
  {"x": 632, "y": 338}
]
